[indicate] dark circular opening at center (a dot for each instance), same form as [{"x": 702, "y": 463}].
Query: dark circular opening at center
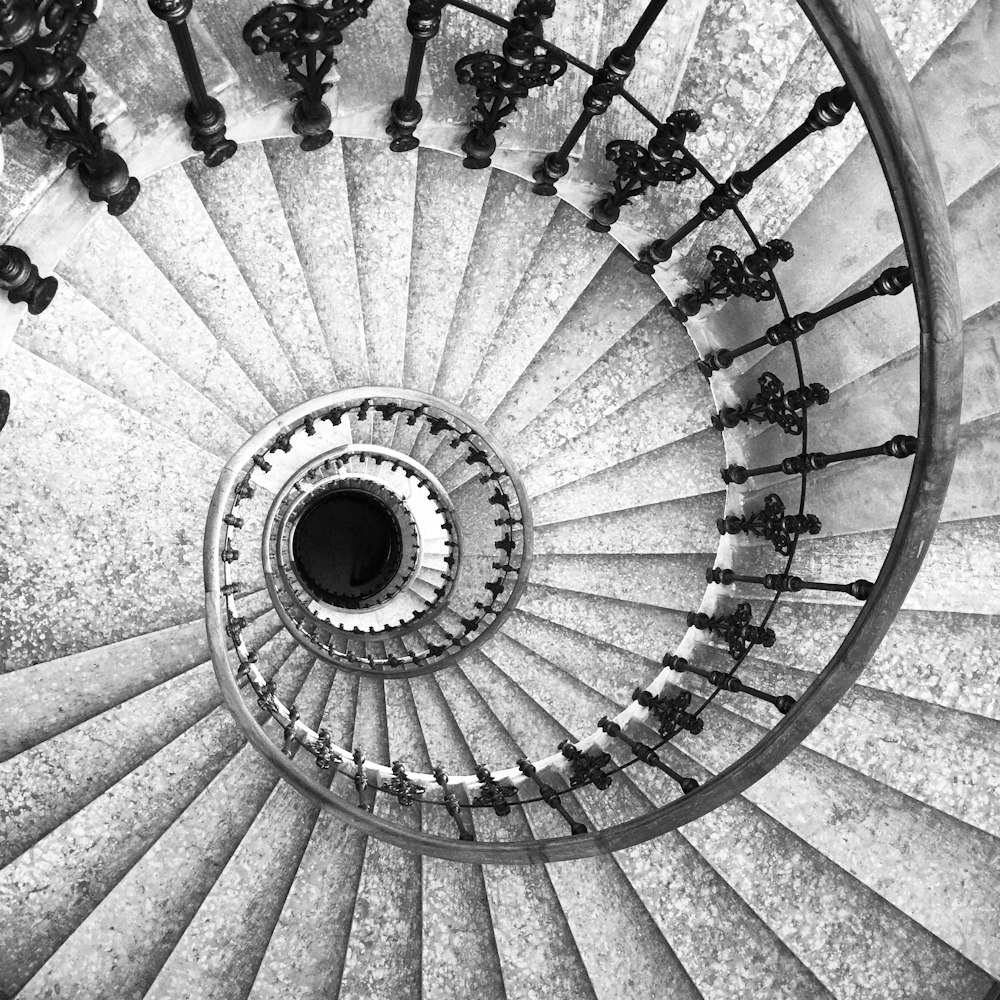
[{"x": 347, "y": 547}]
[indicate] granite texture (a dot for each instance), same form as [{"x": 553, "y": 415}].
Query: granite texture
[
  {"x": 684, "y": 468},
  {"x": 106, "y": 266},
  {"x": 48, "y": 783},
  {"x": 176, "y": 232},
  {"x": 221, "y": 948},
  {"x": 78, "y": 338},
  {"x": 54, "y": 696},
  {"x": 117, "y": 560},
  {"x": 380, "y": 193},
  {"x": 321, "y": 230},
  {"x": 245, "y": 207}
]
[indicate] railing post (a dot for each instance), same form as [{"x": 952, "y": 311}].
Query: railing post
[
  {"x": 205, "y": 116},
  {"x": 423, "y": 20},
  {"x": 20, "y": 279}
]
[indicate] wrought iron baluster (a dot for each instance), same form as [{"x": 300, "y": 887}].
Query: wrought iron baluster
[
  {"x": 304, "y": 34},
  {"x": 451, "y": 803},
  {"x": 503, "y": 80},
  {"x": 493, "y": 792},
  {"x": 772, "y": 524},
  {"x": 638, "y": 168},
  {"x": 735, "y": 628},
  {"x": 890, "y": 282},
  {"x": 4, "y": 408},
  {"x": 20, "y": 279},
  {"x": 782, "y": 702},
  {"x": 784, "y": 583},
  {"x": 609, "y": 81},
  {"x": 830, "y": 109},
  {"x": 205, "y": 115},
  {"x": 587, "y": 768},
  {"x": 423, "y": 20},
  {"x": 42, "y": 67},
  {"x": 901, "y": 446},
  {"x": 773, "y": 405},
  {"x": 646, "y": 754}
]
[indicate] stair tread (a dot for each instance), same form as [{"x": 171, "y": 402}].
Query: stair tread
[
  {"x": 174, "y": 229},
  {"x": 160, "y": 319},
  {"x": 244, "y": 206},
  {"x": 115, "y": 518}
]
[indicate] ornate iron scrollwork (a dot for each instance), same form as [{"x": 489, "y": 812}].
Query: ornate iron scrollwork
[
  {"x": 735, "y": 629},
  {"x": 638, "y": 168},
  {"x": 502, "y": 80},
  {"x": 773, "y": 405},
  {"x": 41, "y": 84},
  {"x": 304, "y": 35},
  {"x": 772, "y": 524}
]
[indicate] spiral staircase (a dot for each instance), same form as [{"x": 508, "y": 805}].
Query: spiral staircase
[{"x": 517, "y": 747}]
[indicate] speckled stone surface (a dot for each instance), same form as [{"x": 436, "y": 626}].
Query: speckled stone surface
[
  {"x": 260, "y": 76},
  {"x": 54, "y": 696},
  {"x": 221, "y": 948},
  {"x": 325, "y": 881},
  {"x": 684, "y": 468},
  {"x": 321, "y": 230},
  {"x": 77, "y": 337},
  {"x": 123, "y": 943},
  {"x": 107, "y": 266},
  {"x": 683, "y": 525},
  {"x": 964, "y": 141},
  {"x": 380, "y": 191},
  {"x": 172, "y": 226},
  {"x": 677, "y": 408},
  {"x": 511, "y": 217},
  {"x": 246, "y": 210},
  {"x": 655, "y": 348},
  {"x": 48, "y": 783},
  {"x": 50, "y": 889},
  {"x": 567, "y": 258},
  {"x": 133, "y": 52},
  {"x": 111, "y": 555}
]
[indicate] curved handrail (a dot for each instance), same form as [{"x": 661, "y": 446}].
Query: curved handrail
[{"x": 855, "y": 38}]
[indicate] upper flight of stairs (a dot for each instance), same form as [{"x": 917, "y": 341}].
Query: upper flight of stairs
[{"x": 147, "y": 850}]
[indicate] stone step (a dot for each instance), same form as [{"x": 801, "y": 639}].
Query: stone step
[
  {"x": 670, "y": 527},
  {"x": 176, "y": 232},
  {"x": 961, "y": 64},
  {"x": 511, "y": 216},
  {"x": 740, "y": 840},
  {"x": 565, "y": 261},
  {"x": 380, "y": 192},
  {"x": 457, "y": 919},
  {"x": 78, "y": 338},
  {"x": 53, "y": 887},
  {"x": 97, "y": 590},
  {"x": 789, "y": 187},
  {"x": 380, "y": 962},
  {"x": 160, "y": 318},
  {"x": 56, "y": 695},
  {"x": 682, "y": 469},
  {"x": 243, "y": 203},
  {"x": 677, "y": 408},
  {"x": 323, "y": 235},
  {"x": 311, "y": 964},
  {"x": 447, "y": 205},
  {"x": 56, "y": 778},
  {"x": 221, "y": 948},
  {"x": 654, "y": 349}
]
